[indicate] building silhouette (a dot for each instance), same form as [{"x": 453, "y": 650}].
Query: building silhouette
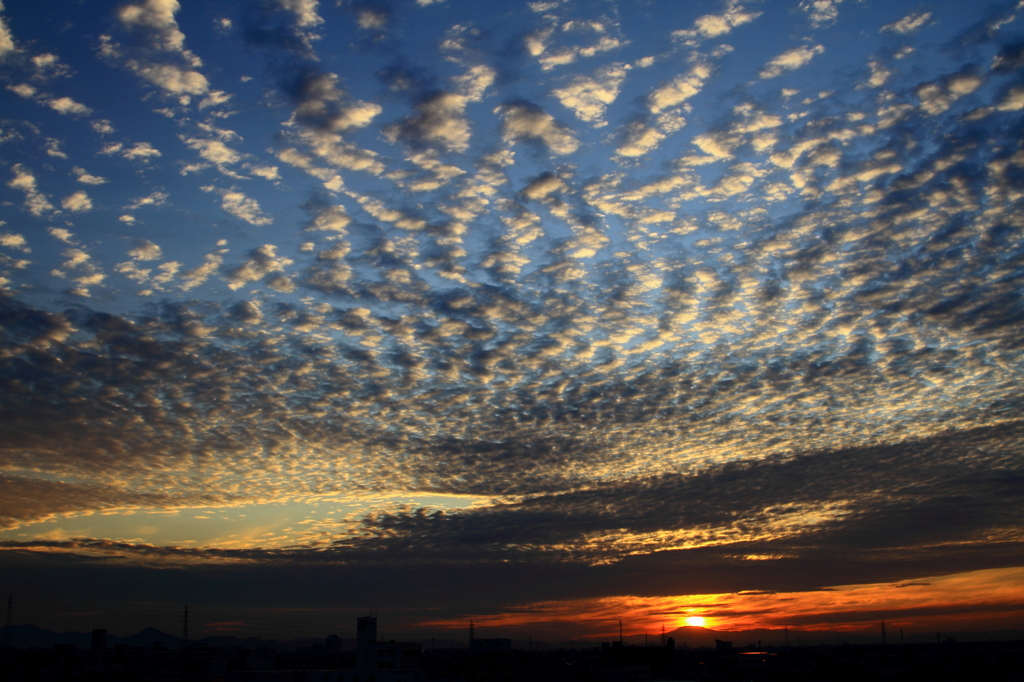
[{"x": 389, "y": 661}]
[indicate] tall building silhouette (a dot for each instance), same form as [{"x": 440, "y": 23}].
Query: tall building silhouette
[
  {"x": 366, "y": 641},
  {"x": 389, "y": 661}
]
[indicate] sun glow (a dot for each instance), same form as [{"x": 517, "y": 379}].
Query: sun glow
[{"x": 989, "y": 595}]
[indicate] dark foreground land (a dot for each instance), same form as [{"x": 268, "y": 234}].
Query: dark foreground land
[{"x": 975, "y": 661}]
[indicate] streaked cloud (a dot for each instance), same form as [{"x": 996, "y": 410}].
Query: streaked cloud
[
  {"x": 790, "y": 60},
  {"x": 908, "y": 24}
]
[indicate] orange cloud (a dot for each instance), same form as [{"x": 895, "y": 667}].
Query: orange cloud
[{"x": 986, "y": 599}]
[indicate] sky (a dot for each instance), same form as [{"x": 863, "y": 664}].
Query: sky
[{"x": 542, "y": 314}]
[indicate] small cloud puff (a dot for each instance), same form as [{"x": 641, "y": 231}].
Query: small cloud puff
[
  {"x": 589, "y": 96},
  {"x": 821, "y": 12},
  {"x": 239, "y": 205},
  {"x": 77, "y": 202},
  {"x": 525, "y": 121},
  {"x": 305, "y": 12},
  {"x": 321, "y": 105},
  {"x": 262, "y": 261},
  {"x": 790, "y": 60},
  {"x": 438, "y": 120},
  {"x": 145, "y": 250},
  {"x": 86, "y": 178}
]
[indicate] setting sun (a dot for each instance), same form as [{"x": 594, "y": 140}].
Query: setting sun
[{"x": 695, "y": 621}]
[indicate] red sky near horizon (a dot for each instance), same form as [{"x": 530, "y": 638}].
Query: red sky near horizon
[{"x": 977, "y": 600}]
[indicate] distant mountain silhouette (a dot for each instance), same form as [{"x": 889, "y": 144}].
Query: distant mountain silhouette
[
  {"x": 26, "y": 636},
  {"x": 147, "y": 638}
]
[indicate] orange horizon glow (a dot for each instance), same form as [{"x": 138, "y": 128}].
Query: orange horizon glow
[{"x": 984, "y": 599}]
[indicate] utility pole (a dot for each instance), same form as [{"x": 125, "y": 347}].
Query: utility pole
[
  {"x": 620, "y": 631},
  {"x": 663, "y": 634},
  {"x": 472, "y": 634},
  {"x": 883, "y": 633}
]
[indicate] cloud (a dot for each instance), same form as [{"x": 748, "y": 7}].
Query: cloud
[
  {"x": 879, "y": 74},
  {"x": 14, "y": 241},
  {"x": 790, "y": 60},
  {"x": 936, "y": 98},
  {"x": 35, "y": 201},
  {"x": 321, "y": 105},
  {"x": 908, "y": 24},
  {"x": 66, "y": 105},
  {"x": 27, "y": 500},
  {"x": 159, "y": 55},
  {"x": 86, "y": 178},
  {"x": 331, "y": 219},
  {"x": 821, "y": 12},
  {"x": 190, "y": 279},
  {"x": 216, "y": 152},
  {"x": 372, "y": 19},
  {"x": 77, "y": 202},
  {"x": 145, "y": 250},
  {"x": 523, "y": 120},
  {"x": 155, "y": 19},
  {"x": 139, "y": 151},
  {"x": 588, "y": 97},
  {"x": 239, "y": 205},
  {"x": 305, "y": 12},
  {"x": 680, "y": 89},
  {"x": 7, "y": 45},
  {"x": 101, "y": 126},
  {"x": 154, "y": 199},
  {"x": 262, "y": 261},
  {"x": 48, "y": 66},
  {"x": 543, "y": 186},
  {"x": 715, "y": 25},
  {"x": 173, "y": 78},
  {"x": 62, "y": 105},
  {"x": 474, "y": 83},
  {"x": 639, "y": 138},
  {"x": 439, "y": 119}
]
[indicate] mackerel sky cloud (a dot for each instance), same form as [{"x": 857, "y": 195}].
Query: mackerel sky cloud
[{"x": 723, "y": 296}]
